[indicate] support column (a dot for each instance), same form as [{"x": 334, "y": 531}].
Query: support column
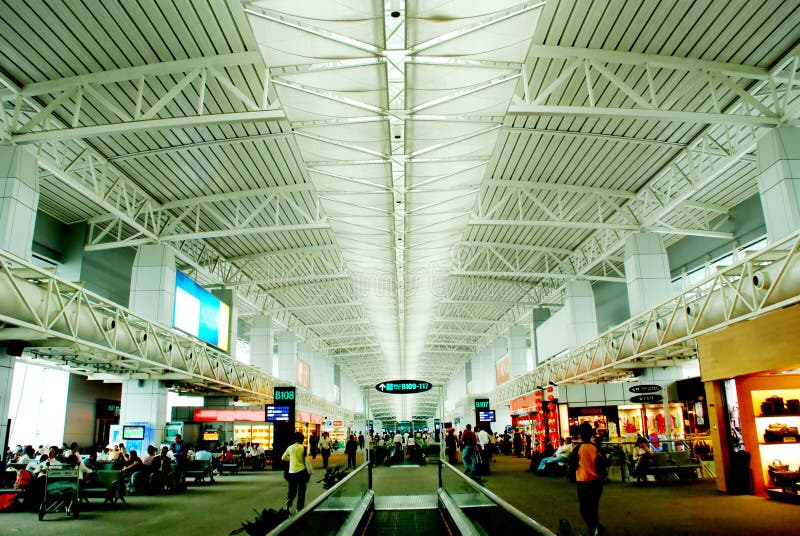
[
  {"x": 581, "y": 315},
  {"x": 145, "y": 402},
  {"x": 518, "y": 360},
  {"x": 19, "y": 198},
  {"x": 779, "y": 181},
  {"x": 153, "y": 284},
  {"x": 152, "y": 296},
  {"x": 646, "y": 271},
  {"x": 7, "y": 361},
  {"x": 261, "y": 343},
  {"x": 287, "y": 358}
]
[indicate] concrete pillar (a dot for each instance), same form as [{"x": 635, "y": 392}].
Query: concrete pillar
[
  {"x": 287, "y": 356},
  {"x": 646, "y": 271},
  {"x": 779, "y": 181},
  {"x": 261, "y": 343},
  {"x": 318, "y": 375},
  {"x": 229, "y": 296},
  {"x": 145, "y": 401},
  {"x": 6, "y": 377},
  {"x": 580, "y": 311},
  {"x": 19, "y": 198},
  {"x": 153, "y": 284},
  {"x": 72, "y": 262},
  {"x": 517, "y": 336}
]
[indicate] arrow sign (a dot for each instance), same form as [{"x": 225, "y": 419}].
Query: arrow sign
[{"x": 403, "y": 387}]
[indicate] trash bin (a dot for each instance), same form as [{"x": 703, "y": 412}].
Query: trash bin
[{"x": 741, "y": 479}]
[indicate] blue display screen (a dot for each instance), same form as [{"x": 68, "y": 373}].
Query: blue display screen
[
  {"x": 200, "y": 313},
  {"x": 486, "y": 416},
  {"x": 278, "y": 413}
]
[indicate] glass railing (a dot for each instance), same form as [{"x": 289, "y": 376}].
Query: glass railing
[
  {"x": 486, "y": 511},
  {"x": 340, "y": 506}
]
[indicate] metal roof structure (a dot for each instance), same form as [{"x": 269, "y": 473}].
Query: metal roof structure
[{"x": 398, "y": 182}]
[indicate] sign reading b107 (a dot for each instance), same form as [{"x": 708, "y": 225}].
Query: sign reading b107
[{"x": 403, "y": 387}]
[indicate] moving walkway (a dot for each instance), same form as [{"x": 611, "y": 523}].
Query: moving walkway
[{"x": 458, "y": 506}]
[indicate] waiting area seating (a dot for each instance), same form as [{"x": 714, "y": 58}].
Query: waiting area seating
[
  {"x": 669, "y": 466},
  {"x": 108, "y": 485}
]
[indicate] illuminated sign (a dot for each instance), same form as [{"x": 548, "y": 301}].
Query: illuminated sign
[
  {"x": 284, "y": 394},
  {"x": 403, "y": 387},
  {"x": 199, "y": 313},
  {"x": 228, "y": 415},
  {"x": 278, "y": 413},
  {"x": 211, "y": 435},
  {"x": 644, "y": 388},
  {"x": 481, "y": 403},
  {"x": 646, "y": 399}
]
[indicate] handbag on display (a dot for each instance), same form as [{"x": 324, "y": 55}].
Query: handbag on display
[
  {"x": 775, "y": 433},
  {"x": 793, "y": 406},
  {"x": 777, "y": 405},
  {"x": 775, "y": 467}
]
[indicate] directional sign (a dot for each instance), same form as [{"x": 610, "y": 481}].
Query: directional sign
[
  {"x": 644, "y": 388},
  {"x": 647, "y": 399},
  {"x": 403, "y": 387}
]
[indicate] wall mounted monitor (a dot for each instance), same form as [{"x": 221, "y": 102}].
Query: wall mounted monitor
[
  {"x": 199, "y": 313},
  {"x": 486, "y": 416},
  {"x": 277, "y": 413},
  {"x": 133, "y": 432}
]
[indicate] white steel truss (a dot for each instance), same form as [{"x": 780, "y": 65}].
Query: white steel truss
[
  {"x": 766, "y": 281},
  {"x": 719, "y": 81},
  {"x": 133, "y": 99},
  {"x": 71, "y": 325}
]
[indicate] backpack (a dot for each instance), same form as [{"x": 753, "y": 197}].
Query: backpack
[{"x": 600, "y": 463}]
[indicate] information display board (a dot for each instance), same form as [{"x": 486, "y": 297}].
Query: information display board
[
  {"x": 403, "y": 387},
  {"x": 133, "y": 432},
  {"x": 487, "y": 415},
  {"x": 278, "y": 413}
]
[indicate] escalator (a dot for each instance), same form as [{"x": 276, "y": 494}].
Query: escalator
[{"x": 409, "y": 500}]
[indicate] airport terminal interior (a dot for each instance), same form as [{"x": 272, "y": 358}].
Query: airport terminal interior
[{"x": 473, "y": 265}]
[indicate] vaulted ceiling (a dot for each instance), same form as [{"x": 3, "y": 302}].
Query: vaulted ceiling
[{"x": 399, "y": 182}]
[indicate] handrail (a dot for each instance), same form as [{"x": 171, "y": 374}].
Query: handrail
[
  {"x": 280, "y": 529},
  {"x": 527, "y": 521}
]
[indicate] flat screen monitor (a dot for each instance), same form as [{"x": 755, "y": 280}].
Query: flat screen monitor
[
  {"x": 133, "y": 432},
  {"x": 199, "y": 313},
  {"x": 278, "y": 413},
  {"x": 486, "y": 415}
]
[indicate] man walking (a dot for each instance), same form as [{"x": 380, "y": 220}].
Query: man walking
[
  {"x": 468, "y": 443},
  {"x": 587, "y": 479},
  {"x": 325, "y": 449}
]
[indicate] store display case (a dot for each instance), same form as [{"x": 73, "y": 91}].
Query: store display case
[{"x": 777, "y": 421}]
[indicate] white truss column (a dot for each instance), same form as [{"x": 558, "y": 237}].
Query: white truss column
[
  {"x": 152, "y": 292},
  {"x": 19, "y": 198},
  {"x": 779, "y": 181},
  {"x": 287, "y": 356},
  {"x": 6, "y": 377},
  {"x": 145, "y": 402},
  {"x": 646, "y": 271},
  {"x": 261, "y": 343},
  {"x": 516, "y": 351},
  {"x": 580, "y": 310}
]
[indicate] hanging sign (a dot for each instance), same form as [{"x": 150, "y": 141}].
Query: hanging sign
[
  {"x": 481, "y": 403},
  {"x": 647, "y": 399},
  {"x": 403, "y": 387},
  {"x": 644, "y": 388}
]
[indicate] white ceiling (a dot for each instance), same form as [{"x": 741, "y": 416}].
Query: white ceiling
[{"x": 399, "y": 190}]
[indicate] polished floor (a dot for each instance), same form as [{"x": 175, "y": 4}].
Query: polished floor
[{"x": 694, "y": 508}]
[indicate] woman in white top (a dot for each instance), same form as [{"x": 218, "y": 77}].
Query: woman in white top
[{"x": 297, "y": 476}]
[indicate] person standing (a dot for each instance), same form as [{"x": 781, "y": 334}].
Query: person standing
[
  {"x": 313, "y": 444},
  {"x": 588, "y": 480},
  {"x": 398, "y": 447},
  {"x": 350, "y": 449},
  {"x": 361, "y": 440},
  {"x": 468, "y": 443},
  {"x": 450, "y": 446},
  {"x": 296, "y": 475},
  {"x": 325, "y": 449}
]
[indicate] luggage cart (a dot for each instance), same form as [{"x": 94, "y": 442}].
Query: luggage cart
[{"x": 60, "y": 492}]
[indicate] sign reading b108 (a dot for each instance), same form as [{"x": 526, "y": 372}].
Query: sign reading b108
[
  {"x": 403, "y": 387},
  {"x": 284, "y": 394}
]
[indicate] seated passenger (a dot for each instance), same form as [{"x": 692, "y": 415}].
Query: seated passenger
[
  {"x": 561, "y": 455},
  {"x": 643, "y": 458},
  {"x": 147, "y": 461},
  {"x": 47, "y": 462}
]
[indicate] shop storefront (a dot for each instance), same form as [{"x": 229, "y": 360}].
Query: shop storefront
[
  {"x": 249, "y": 425},
  {"x": 337, "y": 431},
  {"x": 752, "y": 375},
  {"x": 307, "y": 423},
  {"x": 541, "y": 418}
]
